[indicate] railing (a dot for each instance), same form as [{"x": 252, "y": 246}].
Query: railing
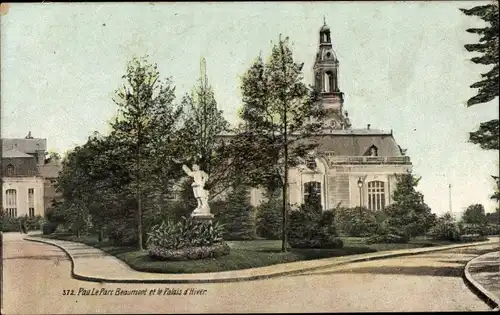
[{"x": 336, "y": 159}]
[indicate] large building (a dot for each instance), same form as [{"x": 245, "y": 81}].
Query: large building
[
  {"x": 27, "y": 176},
  {"x": 350, "y": 167}
]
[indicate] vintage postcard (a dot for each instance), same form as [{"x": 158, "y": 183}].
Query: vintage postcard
[{"x": 249, "y": 157}]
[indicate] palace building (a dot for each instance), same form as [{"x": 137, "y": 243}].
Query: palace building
[
  {"x": 27, "y": 176},
  {"x": 350, "y": 167}
]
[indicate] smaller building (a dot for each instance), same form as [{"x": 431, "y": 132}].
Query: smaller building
[{"x": 27, "y": 177}]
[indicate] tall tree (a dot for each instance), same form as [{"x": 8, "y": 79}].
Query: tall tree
[
  {"x": 146, "y": 116},
  {"x": 279, "y": 112},
  {"x": 204, "y": 123},
  {"x": 488, "y": 135}
]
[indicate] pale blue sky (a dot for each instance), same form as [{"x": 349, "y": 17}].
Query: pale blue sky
[{"x": 402, "y": 67}]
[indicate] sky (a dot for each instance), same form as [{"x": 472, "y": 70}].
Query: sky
[{"x": 402, "y": 67}]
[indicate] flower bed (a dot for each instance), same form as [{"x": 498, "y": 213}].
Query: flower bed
[
  {"x": 186, "y": 240},
  {"x": 188, "y": 253}
]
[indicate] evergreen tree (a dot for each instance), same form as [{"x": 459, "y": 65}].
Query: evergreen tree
[
  {"x": 408, "y": 214},
  {"x": 238, "y": 215},
  {"x": 488, "y": 135},
  {"x": 268, "y": 216}
]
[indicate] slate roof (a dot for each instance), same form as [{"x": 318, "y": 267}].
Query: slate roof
[
  {"x": 353, "y": 142},
  {"x": 50, "y": 170},
  {"x": 358, "y": 143},
  {"x": 25, "y": 145},
  {"x": 13, "y": 153}
]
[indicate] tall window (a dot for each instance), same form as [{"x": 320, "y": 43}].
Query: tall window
[
  {"x": 376, "y": 195},
  {"x": 328, "y": 81},
  {"x": 31, "y": 202},
  {"x": 312, "y": 192},
  {"x": 10, "y": 170},
  {"x": 11, "y": 202}
]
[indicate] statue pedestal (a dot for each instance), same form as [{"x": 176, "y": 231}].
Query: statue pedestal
[{"x": 202, "y": 217}]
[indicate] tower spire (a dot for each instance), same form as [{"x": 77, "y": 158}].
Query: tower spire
[{"x": 324, "y": 20}]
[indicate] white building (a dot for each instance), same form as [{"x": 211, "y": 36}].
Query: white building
[
  {"x": 24, "y": 180},
  {"x": 350, "y": 167}
]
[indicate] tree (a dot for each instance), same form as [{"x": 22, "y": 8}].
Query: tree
[
  {"x": 488, "y": 135},
  {"x": 268, "y": 216},
  {"x": 475, "y": 216},
  {"x": 488, "y": 47},
  {"x": 145, "y": 128},
  {"x": 279, "y": 112},
  {"x": 238, "y": 215},
  {"x": 204, "y": 123},
  {"x": 408, "y": 214}
]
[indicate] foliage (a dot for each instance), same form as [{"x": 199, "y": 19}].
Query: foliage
[
  {"x": 494, "y": 217},
  {"x": 185, "y": 233},
  {"x": 189, "y": 253},
  {"x": 488, "y": 47},
  {"x": 147, "y": 127},
  {"x": 203, "y": 124},
  {"x": 310, "y": 228},
  {"x": 474, "y": 214},
  {"x": 445, "y": 229},
  {"x": 279, "y": 112},
  {"x": 238, "y": 215},
  {"x": 49, "y": 228},
  {"x": 358, "y": 221},
  {"x": 408, "y": 215},
  {"x": 488, "y": 134},
  {"x": 268, "y": 217}
]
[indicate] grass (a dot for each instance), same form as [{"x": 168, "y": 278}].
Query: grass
[{"x": 244, "y": 254}]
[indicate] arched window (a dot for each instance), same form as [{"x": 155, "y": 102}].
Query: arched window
[
  {"x": 376, "y": 195},
  {"x": 11, "y": 202},
  {"x": 10, "y": 170},
  {"x": 312, "y": 192},
  {"x": 328, "y": 81},
  {"x": 318, "y": 81}
]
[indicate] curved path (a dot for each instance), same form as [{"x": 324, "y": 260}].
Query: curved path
[{"x": 35, "y": 276}]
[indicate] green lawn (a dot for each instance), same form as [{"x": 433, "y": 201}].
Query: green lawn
[{"x": 244, "y": 254}]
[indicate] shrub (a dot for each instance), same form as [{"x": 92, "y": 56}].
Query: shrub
[
  {"x": 122, "y": 231},
  {"x": 237, "y": 215},
  {"x": 9, "y": 224},
  {"x": 357, "y": 221},
  {"x": 445, "y": 229},
  {"x": 268, "y": 218},
  {"x": 34, "y": 223},
  {"x": 175, "y": 239},
  {"x": 309, "y": 228},
  {"x": 49, "y": 228}
]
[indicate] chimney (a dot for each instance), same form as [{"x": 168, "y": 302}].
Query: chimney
[{"x": 368, "y": 126}]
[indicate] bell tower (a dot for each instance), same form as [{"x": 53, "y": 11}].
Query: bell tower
[{"x": 326, "y": 69}]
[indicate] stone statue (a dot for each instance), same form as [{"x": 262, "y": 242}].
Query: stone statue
[{"x": 200, "y": 193}]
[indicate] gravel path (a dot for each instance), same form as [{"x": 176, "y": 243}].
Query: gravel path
[{"x": 36, "y": 276}]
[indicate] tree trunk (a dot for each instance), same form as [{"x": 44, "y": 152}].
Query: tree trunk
[
  {"x": 101, "y": 234},
  {"x": 138, "y": 196},
  {"x": 285, "y": 181}
]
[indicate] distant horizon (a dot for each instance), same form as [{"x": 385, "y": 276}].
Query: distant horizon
[{"x": 403, "y": 67}]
